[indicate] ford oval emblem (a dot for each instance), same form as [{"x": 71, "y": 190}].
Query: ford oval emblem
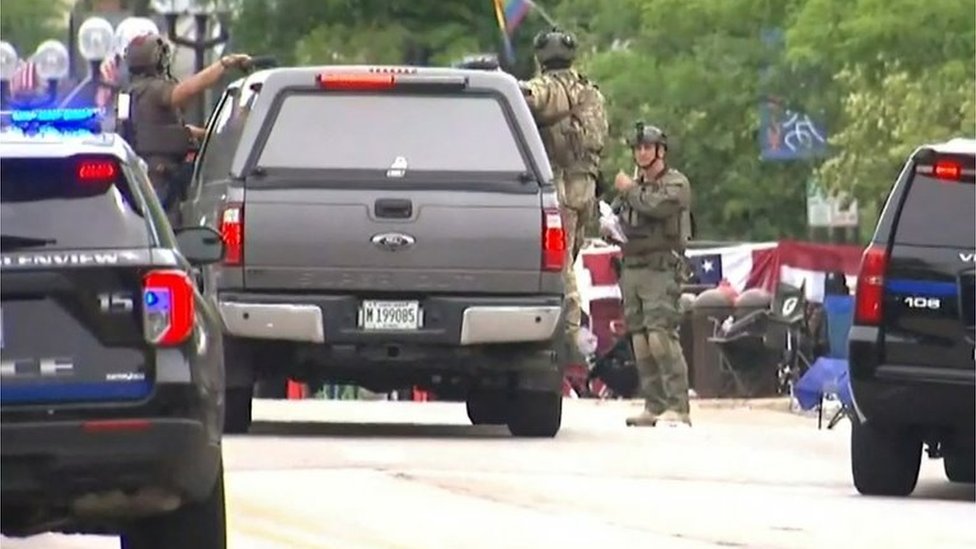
[{"x": 393, "y": 242}]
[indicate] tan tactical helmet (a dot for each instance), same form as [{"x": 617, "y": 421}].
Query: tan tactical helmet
[{"x": 147, "y": 53}]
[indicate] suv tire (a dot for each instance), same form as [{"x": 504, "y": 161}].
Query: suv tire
[
  {"x": 960, "y": 467},
  {"x": 536, "y": 414},
  {"x": 884, "y": 460},
  {"x": 237, "y": 409},
  {"x": 195, "y": 524},
  {"x": 487, "y": 407}
]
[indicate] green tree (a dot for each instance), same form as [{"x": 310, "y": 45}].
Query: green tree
[
  {"x": 704, "y": 88},
  {"x": 27, "y": 23},
  {"x": 901, "y": 74}
]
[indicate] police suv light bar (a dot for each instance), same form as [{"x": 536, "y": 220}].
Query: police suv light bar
[{"x": 53, "y": 121}]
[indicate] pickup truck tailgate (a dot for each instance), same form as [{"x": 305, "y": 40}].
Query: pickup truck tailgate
[{"x": 341, "y": 239}]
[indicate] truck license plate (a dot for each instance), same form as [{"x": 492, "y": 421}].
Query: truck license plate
[{"x": 390, "y": 315}]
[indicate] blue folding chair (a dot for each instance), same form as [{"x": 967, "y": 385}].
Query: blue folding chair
[{"x": 829, "y": 374}]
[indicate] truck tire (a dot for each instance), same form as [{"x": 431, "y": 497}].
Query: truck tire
[
  {"x": 536, "y": 414},
  {"x": 195, "y": 524},
  {"x": 960, "y": 467},
  {"x": 487, "y": 407},
  {"x": 237, "y": 409},
  {"x": 884, "y": 460}
]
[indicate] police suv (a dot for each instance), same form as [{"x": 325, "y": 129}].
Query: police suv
[
  {"x": 111, "y": 355},
  {"x": 912, "y": 370}
]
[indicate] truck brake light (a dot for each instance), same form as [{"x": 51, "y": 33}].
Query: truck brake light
[
  {"x": 869, "y": 296},
  {"x": 383, "y": 79},
  {"x": 553, "y": 241},
  {"x": 359, "y": 82},
  {"x": 232, "y": 231},
  {"x": 167, "y": 307}
]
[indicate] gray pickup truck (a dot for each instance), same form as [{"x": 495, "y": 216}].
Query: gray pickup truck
[{"x": 387, "y": 227}]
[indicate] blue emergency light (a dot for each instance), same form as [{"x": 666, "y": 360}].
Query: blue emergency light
[{"x": 54, "y": 122}]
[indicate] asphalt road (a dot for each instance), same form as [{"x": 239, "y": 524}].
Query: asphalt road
[{"x": 385, "y": 475}]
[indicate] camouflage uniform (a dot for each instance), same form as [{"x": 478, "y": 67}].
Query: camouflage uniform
[
  {"x": 653, "y": 215},
  {"x": 156, "y": 129},
  {"x": 569, "y": 111}
]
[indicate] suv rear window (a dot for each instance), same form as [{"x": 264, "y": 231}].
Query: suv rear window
[
  {"x": 43, "y": 199},
  {"x": 465, "y": 133},
  {"x": 938, "y": 212}
]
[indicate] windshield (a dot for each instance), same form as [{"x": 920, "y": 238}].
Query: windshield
[
  {"x": 460, "y": 133},
  {"x": 44, "y": 206}
]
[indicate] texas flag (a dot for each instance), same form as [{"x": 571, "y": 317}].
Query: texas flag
[{"x": 765, "y": 264}]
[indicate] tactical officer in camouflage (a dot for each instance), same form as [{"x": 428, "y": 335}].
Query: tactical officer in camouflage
[
  {"x": 570, "y": 114},
  {"x": 654, "y": 211},
  {"x": 155, "y": 127}
]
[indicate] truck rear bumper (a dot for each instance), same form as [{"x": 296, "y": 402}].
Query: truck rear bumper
[{"x": 332, "y": 319}]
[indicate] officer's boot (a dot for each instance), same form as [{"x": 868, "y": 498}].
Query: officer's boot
[{"x": 649, "y": 381}]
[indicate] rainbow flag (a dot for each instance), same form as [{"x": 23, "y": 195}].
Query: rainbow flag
[{"x": 515, "y": 12}]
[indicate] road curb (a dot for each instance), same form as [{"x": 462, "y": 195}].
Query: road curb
[{"x": 778, "y": 404}]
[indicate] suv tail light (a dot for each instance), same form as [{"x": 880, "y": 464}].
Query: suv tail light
[
  {"x": 96, "y": 170},
  {"x": 553, "y": 240},
  {"x": 167, "y": 307},
  {"x": 232, "y": 231},
  {"x": 869, "y": 295}
]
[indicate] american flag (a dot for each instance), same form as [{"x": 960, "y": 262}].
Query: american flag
[
  {"x": 109, "y": 70},
  {"x": 24, "y": 81}
]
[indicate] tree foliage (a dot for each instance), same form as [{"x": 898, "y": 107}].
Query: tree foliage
[
  {"x": 881, "y": 75},
  {"x": 27, "y": 23}
]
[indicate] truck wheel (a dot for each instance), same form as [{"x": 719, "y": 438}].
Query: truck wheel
[
  {"x": 960, "y": 467},
  {"x": 237, "y": 409},
  {"x": 884, "y": 460},
  {"x": 487, "y": 408},
  {"x": 195, "y": 524},
  {"x": 536, "y": 414}
]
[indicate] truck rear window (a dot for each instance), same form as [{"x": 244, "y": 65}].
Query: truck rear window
[
  {"x": 43, "y": 205},
  {"x": 938, "y": 213},
  {"x": 465, "y": 133}
]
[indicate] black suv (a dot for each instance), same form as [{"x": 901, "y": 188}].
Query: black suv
[
  {"x": 911, "y": 344},
  {"x": 111, "y": 354}
]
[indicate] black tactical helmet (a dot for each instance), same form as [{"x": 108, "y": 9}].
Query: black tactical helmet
[
  {"x": 554, "y": 45},
  {"x": 648, "y": 135},
  {"x": 147, "y": 53}
]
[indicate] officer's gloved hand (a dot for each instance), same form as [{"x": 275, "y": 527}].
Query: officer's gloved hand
[{"x": 237, "y": 60}]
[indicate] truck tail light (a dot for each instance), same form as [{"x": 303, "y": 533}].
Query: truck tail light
[
  {"x": 553, "y": 241},
  {"x": 232, "y": 231},
  {"x": 167, "y": 307},
  {"x": 869, "y": 296}
]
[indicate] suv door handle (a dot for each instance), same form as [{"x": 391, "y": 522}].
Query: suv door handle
[{"x": 393, "y": 208}]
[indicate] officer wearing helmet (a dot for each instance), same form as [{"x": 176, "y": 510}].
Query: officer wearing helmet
[
  {"x": 155, "y": 127},
  {"x": 569, "y": 111},
  {"x": 653, "y": 208}
]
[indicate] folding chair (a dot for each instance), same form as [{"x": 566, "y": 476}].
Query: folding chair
[
  {"x": 742, "y": 349},
  {"x": 839, "y": 313},
  {"x": 789, "y": 329}
]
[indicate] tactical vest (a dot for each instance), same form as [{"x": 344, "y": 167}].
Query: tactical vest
[
  {"x": 156, "y": 132},
  {"x": 573, "y": 125},
  {"x": 648, "y": 235}
]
